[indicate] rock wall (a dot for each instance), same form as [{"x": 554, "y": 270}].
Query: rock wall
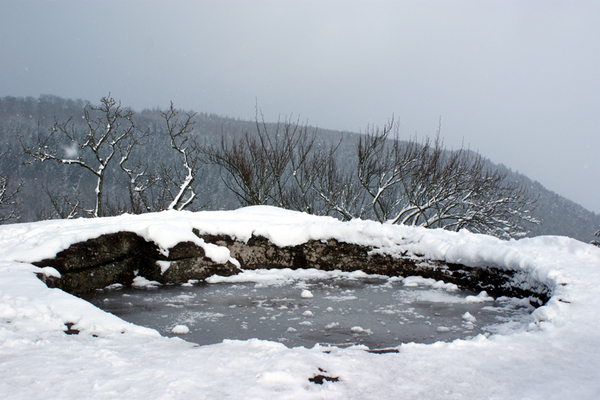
[{"x": 119, "y": 257}]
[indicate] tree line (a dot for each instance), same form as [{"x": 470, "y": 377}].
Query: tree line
[
  {"x": 285, "y": 164},
  {"x": 390, "y": 180}
]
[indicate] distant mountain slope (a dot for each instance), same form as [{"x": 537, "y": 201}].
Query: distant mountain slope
[
  {"x": 22, "y": 119},
  {"x": 558, "y": 215},
  {"x": 563, "y": 217}
]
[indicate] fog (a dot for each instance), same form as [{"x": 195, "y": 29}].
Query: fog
[{"x": 518, "y": 81}]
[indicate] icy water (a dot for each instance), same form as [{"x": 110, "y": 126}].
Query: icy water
[{"x": 343, "y": 311}]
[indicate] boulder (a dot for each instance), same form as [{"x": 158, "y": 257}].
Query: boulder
[{"x": 120, "y": 257}]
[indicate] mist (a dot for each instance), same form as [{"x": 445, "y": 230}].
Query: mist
[{"x": 517, "y": 81}]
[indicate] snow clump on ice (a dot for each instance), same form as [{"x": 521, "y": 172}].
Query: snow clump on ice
[
  {"x": 180, "y": 330},
  {"x": 469, "y": 317},
  {"x": 141, "y": 282},
  {"x": 480, "y": 298}
]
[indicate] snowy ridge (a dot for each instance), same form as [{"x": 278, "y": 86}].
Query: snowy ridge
[{"x": 555, "y": 357}]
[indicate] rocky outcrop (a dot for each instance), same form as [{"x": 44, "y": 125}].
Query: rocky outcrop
[{"x": 119, "y": 257}]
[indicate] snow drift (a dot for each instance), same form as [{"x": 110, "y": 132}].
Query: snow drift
[{"x": 556, "y": 356}]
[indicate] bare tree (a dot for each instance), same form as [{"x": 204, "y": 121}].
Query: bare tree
[
  {"x": 277, "y": 168},
  {"x": 486, "y": 202},
  {"x": 383, "y": 167},
  {"x": 140, "y": 184},
  {"x": 422, "y": 184},
  {"x": 244, "y": 163},
  {"x": 108, "y": 128},
  {"x": 309, "y": 163},
  {"x": 9, "y": 204},
  {"x": 165, "y": 185},
  {"x": 140, "y": 179},
  {"x": 66, "y": 206},
  {"x": 177, "y": 183},
  {"x": 336, "y": 185}
]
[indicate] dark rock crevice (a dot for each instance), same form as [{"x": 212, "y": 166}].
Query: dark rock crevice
[{"x": 120, "y": 257}]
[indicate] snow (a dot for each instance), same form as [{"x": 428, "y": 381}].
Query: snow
[
  {"x": 468, "y": 317},
  {"x": 180, "y": 329},
  {"x": 480, "y": 298},
  {"x": 418, "y": 280},
  {"x": 555, "y": 357},
  {"x": 141, "y": 282},
  {"x": 164, "y": 266},
  {"x": 284, "y": 276}
]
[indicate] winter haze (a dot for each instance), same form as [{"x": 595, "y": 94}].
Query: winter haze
[{"x": 516, "y": 80}]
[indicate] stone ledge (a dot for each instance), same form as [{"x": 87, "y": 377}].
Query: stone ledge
[{"x": 119, "y": 257}]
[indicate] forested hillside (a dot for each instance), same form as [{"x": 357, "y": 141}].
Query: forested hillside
[{"x": 173, "y": 148}]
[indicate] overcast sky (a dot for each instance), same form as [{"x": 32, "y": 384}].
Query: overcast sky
[{"x": 517, "y": 80}]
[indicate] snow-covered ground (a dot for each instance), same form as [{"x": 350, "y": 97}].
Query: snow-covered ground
[{"x": 556, "y": 357}]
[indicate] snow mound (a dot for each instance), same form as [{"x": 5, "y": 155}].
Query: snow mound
[{"x": 556, "y": 357}]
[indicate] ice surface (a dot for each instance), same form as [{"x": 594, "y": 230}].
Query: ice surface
[
  {"x": 555, "y": 357},
  {"x": 219, "y": 311}
]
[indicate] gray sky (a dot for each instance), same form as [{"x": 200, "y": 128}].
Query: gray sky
[{"x": 517, "y": 80}]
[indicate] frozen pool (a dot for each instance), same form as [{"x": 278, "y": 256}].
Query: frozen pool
[{"x": 341, "y": 310}]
